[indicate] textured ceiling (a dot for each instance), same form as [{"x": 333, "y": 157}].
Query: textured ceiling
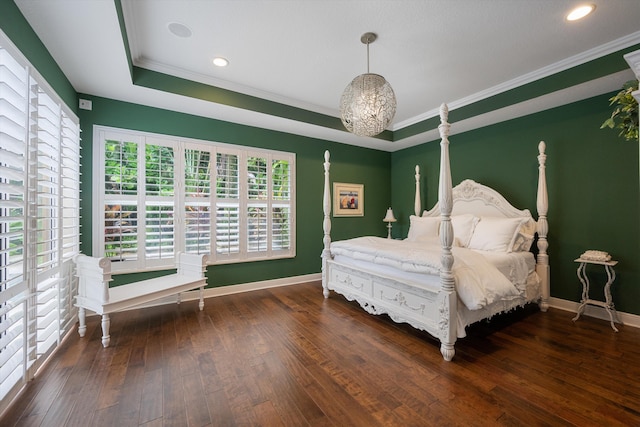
[{"x": 303, "y": 53}]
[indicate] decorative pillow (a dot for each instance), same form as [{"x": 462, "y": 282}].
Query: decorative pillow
[
  {"x": 495, "y": 234},
  {"x": 463, "y": 226},
  {"x": 524, "y": 237},
  {"x": 521, "y": 242},
  {"x": 423, "y": 228}
]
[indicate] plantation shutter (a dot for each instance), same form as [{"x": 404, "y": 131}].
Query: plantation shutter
[
  {"x": 120, "y": 232},
  {"x": 69, "y": 218},
  {"x": 39, "y": 220},
  {"x": 14, "y": 119},
  {"x": 257, "y": 206},
  {"x": 281, "y": 205},
  {"x": 197, "y": 206},
  {"x": 227, "y": 206},
  {"x": 269, "y": 204},
  {"x": 159, "y": 204},
  {"x": 47, "y": 234}
]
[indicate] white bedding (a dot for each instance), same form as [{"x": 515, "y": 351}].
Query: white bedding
[{"x": 479, "y": 282}]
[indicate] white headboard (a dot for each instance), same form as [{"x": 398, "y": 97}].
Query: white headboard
[
  {"x": 480, "y": 200},
  {"x": 470, "y": 197}
]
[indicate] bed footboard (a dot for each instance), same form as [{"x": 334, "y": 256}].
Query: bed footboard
[{"x": 378, "y": 294}]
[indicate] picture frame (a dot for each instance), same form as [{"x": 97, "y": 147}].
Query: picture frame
[{"x": 348, "y": 199}]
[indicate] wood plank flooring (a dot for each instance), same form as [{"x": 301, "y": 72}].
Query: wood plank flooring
[{"x": 288, "y": 357}]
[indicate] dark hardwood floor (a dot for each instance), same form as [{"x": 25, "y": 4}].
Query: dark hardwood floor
[{"x": 287, "y": 357}]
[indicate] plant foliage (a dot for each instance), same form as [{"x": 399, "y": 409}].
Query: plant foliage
[{"x": 625, "y": 114}]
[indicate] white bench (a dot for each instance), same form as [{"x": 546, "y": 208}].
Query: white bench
[{"x": 94, "y": 294}]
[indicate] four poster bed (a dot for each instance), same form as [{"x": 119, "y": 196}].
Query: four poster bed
[{"x": 464, "y": 260}]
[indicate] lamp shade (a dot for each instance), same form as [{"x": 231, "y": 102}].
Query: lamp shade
[
  {"x": 389, "y": 217},
  {"x": 368, "y": 105}
]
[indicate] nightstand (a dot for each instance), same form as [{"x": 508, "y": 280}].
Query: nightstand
[{"x": 608, "y": 303}]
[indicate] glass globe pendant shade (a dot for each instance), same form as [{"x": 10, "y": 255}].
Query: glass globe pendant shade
[{"x": 368, "y": 105}]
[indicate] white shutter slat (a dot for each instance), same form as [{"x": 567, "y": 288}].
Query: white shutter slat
[
  {"x": 10, "y": 65},
  {"x": 11, "y": 106},
  {"x": 11, "y": 296},
  {"x": 11, "y": 82},
  {"x": 11, "y": 174},
  {"x": 11, "y": 219},
  {"x": 10, "y": 370},
  {"x": 12, "y": 146},
  {"x": 11, "y": 128},
  {"x": 8, "y": 189}
]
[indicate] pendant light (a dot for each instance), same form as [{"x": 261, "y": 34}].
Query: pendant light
[{"x": 368, "y": 103}]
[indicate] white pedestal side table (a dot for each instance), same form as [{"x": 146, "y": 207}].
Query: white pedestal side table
[{"x": 608, "y": 303}]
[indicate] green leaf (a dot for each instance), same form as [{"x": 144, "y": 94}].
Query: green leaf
[{"x": 625, "y": 114}]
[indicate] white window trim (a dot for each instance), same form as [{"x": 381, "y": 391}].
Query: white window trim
[{"x": 180, "y": 144}]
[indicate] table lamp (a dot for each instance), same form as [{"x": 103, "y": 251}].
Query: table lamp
[{"x": 389, "y": 219}]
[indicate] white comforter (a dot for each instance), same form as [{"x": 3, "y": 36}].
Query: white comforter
[{"x": 478, "y": 283}]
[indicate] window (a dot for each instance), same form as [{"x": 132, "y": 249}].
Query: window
[
  {"x": 39, "y": 219},
  {"x": 157, "y": 195}
]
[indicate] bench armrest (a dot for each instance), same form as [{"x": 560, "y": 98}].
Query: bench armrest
[
  {"x": 193, "y": 265},
  {"x": 94, "y": 275}
]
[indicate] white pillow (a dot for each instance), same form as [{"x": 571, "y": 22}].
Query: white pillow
[
  {"x": 423, "y": 228},
  {"x": 495, "y": 234},
  {"x": 463, "y": 226}
]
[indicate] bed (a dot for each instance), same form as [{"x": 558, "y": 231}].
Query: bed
[{"x": 466, "y": 259}]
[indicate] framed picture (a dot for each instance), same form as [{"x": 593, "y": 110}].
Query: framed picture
[{"x": 348, "y": 199}]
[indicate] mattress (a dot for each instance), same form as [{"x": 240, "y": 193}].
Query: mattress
[{"x": 516, "y": 266}]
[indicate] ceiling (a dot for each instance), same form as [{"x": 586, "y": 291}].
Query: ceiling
[{"x": 303, "y": 53}]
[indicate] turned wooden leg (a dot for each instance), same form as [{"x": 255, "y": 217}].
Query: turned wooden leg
[
  {"x": 106, "y": 338},
  {"x": 448, "y": 351},
  {"x": 201, "y": 303},
  {"x": 82, "y": 327}
]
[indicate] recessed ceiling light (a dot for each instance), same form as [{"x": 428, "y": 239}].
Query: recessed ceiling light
[
  {"x": 580, "y": 12},
  {"x": 220, "y": 62},
  {"x": 178, "y": 29}
]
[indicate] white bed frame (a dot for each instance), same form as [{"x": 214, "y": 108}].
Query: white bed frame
[{"x": 435, "y": 312}]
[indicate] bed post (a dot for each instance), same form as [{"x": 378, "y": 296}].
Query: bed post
[
  {"x": 448, "y": 309},
  {"x": 542, "y": 264},
  {"x": 326, "y": 224},
  {"x": 417, "y": 207}
]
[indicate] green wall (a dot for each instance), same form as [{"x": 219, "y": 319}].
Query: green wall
[
  {"x": 349, "y": 164},
  {"x": 593, "y": 187}
]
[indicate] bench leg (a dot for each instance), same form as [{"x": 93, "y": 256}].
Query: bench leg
[
  {"x": 82, "y": 327},
  {"x": 106, "y": 338},
  {"x": 201, "y": 303}
]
